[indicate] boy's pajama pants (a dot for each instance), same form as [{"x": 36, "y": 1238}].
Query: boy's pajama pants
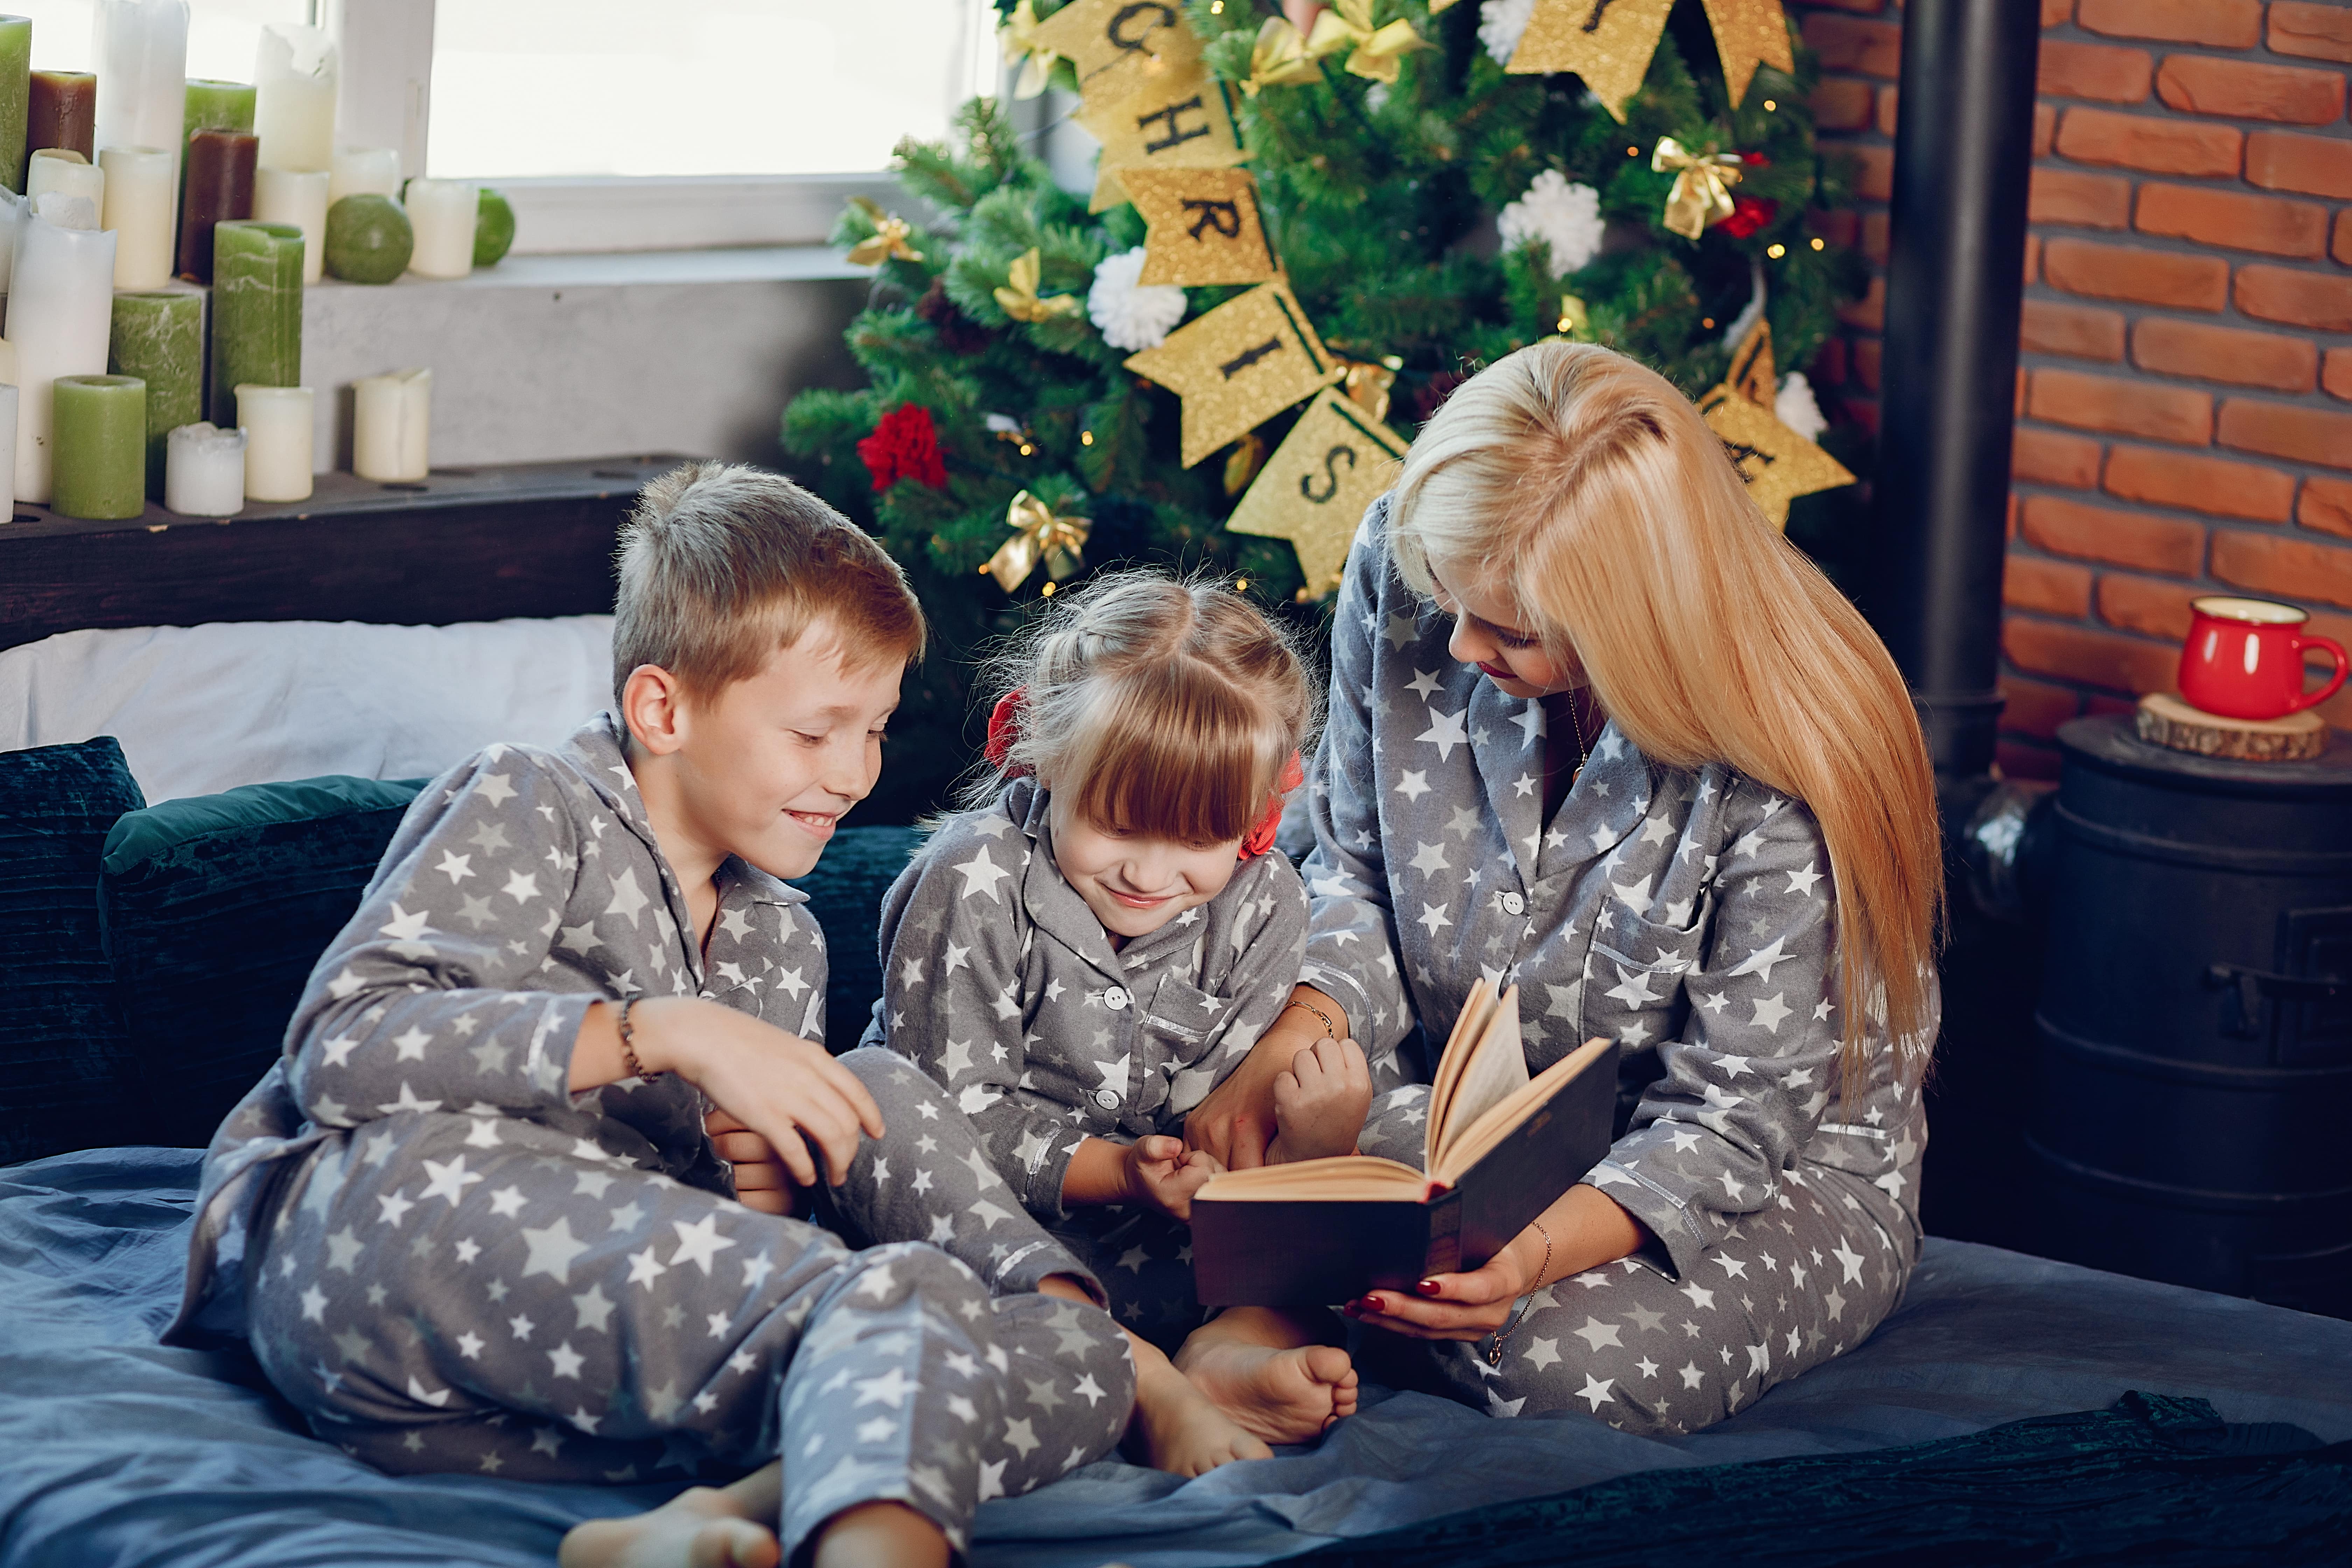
[{"x": 441, "y": 1291}]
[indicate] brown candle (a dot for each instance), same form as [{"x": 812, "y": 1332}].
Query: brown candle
[
  {"x": 220, "y": 188},
  {"x": 62, "y": 111}
]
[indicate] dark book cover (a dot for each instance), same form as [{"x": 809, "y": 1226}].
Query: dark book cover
[{"x": 1318, "y": 1251}]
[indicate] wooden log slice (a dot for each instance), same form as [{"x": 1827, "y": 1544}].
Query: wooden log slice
[{"x": 2166, "y": 720}]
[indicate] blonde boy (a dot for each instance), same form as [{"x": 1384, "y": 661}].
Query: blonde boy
[{"x": 475, "y": 1219}]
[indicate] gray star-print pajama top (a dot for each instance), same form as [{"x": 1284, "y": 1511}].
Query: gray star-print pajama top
[
  {"x": 1687, "y": 915},
  {"x": 1003, "y": 985},
  {"x": 447, "y": 1261}
]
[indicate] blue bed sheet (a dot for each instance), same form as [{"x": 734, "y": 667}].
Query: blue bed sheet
[{"x": 114, "y": 1450}]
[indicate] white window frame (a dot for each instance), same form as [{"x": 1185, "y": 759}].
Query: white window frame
[{"x": 386, "y": 100}]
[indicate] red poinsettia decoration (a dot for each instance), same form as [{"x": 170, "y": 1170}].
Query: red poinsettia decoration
[
  {"x": 905, "y": 446},
  {"x": 1748, "y": 214}
]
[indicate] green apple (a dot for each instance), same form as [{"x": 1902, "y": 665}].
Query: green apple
[
  {"x": 369, "y": 240},
  {"x": 494, "y": 226}
]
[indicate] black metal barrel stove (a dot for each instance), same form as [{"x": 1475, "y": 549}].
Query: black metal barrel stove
[{"x": 2193, "y": 1118}]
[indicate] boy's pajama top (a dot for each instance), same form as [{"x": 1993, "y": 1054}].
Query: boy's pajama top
[
  {"x": 1003, "y": 985},
  {"x": 1687, "y": 916},
  {"x": 449, "y": 1261}
]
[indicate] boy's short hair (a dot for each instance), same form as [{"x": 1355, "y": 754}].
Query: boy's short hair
[{"x": 722, "y": 563}]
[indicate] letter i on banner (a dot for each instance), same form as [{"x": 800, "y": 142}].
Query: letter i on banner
[
  {"x": 1315, "y": 489},
  {"x": 1179, "y": 119},
  {"x": 1205, "y": 226},
  {"x": 1607, "y": 42},
  {"x": 1238, "y": 367}
]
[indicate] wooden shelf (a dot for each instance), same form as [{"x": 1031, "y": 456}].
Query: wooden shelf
[{"x": 466, "y": 544}]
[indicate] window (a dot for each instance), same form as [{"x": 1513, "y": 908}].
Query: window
[
  {"x": 524, "y": 88},
  {"x": 223, "y": 35}
]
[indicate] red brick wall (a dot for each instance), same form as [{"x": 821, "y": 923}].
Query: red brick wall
[{"x": 2185, "y": 406}]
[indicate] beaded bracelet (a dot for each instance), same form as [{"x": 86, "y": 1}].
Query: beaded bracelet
[{"x": 629, "y": 1045}]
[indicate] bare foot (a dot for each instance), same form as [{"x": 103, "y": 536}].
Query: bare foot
[
  {"x": 1320, "y": 1103},
  {"x": 697, "y": 1529},
  {"x": 1176, "y": 1428},
  {"x": 1282, "y": 1396}
]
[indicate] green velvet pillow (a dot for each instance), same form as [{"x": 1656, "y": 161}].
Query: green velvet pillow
[
  {"x": 216, "y": 908},
  {"x": 844, "y": 893},
  {"x": 65, "y": 1076}
]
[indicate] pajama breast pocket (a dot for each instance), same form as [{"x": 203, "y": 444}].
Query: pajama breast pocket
[
  {"x": 1183, "y": 1028},
  {"x": 1633, "y": 977}
]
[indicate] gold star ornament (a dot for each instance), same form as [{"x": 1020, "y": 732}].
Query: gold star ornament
[{"x": 1775, "y": 463}]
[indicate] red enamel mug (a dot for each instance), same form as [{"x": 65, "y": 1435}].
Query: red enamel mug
[{"x": 2243, "y": 659}]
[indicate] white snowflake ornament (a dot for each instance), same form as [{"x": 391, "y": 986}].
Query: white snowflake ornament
[
  {"x": 1501, "y": 25},
  {"x": 1564, "y": 215},
  {"x": 1794, "y": 406},
  {"x": 1130, "y": 315}
]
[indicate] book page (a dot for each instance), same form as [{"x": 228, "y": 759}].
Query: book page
[
  {"x": 1341, "y": 1176},
  {"x": 1597, "y": 1054},
  {"x": 1495, "y": 1064},
  {"x": 1469, "y": 1026}
]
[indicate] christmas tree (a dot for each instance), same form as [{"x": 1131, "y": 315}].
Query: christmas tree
[{"x": 1366, "y": 208}]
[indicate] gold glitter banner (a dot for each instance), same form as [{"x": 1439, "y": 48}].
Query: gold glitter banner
[
  {"x": 1607, "y": 42},
  {"x": 1752, "y": 374},
  {"x": 1118, "y": 47},
  {"x": 1748, "y": 33},
  {"x": 1238, "y": 367},
  {"x": 1205, "y": 226},
  {"x": 1179, "y": 119},
  {"x": 1313, "y": 491},
  {"x": 1776, "y": 463}
]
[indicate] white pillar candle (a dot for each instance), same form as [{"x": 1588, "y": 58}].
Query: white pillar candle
[
  {"x": 140, "y": 195},
  {"x": 364, "y": 172},
  {"x": 61, "y": 171},
  {"x": 298, "y": 197},
  {"x": 7, "y": 449},
  {"x": 61, "y": 315},
  {"x": 204, "y": 470},
  {"x": 142, "y": 49},
  {"x": 392, "y": 418},
  {"x": 12, "y": 220},
  {"x": 277, "y": 422},
  {"x": 441, "y": 212},
  {"x": 294, "y": 77}
]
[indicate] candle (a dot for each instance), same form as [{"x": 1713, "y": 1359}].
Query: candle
[
  {"x": 297, "y": 198},
  {"x": 139, "y": 190},
  {"x": 60, "y": 310},
  {"x": 257, "y": 310},
  {"x": 101, "y": 446},
  {"x": 364, "y": 172},
  {"x": 276, "y": 421},
  {"x": 217, "y": 106},
  {"x": 441, "y": 212},
  {"x": 68, "y": 173},
  {"x": 220, "y": 188},
  {"x": 142, "y": 79},
  {"x": 61, "y": 111},
  {"x": 392, "y": 418},
  {"x": 16, "y": 83},
  {"x": 159, "y": 339},
  {"x": 294, "y": 109},
  {"x": 204, "y": 473},
  {"x": 13, "y": 212},
  {"x": 8, "y": 424}
]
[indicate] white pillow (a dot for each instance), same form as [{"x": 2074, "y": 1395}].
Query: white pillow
[{"x": 201, "y": 709}]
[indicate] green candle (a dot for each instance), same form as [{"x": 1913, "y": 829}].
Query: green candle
[
  {"x": 101, "y": 446},
  {"x": 159, "y": 339},
  {"x": 15, "y": 86},
  {"x": 257, "y": 310}
]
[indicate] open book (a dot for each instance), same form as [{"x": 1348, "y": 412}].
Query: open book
[{"x": 1499, "y": 1149}]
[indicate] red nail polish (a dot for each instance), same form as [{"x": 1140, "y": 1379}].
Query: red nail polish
[
  {"x": 1427, "y": 1287},
  {"x": 1368, "y": 1304}
]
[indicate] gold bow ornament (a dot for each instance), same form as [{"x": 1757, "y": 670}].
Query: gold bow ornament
[
  {"x": 1366, "y": 385},
  {"x": 1373, "y": 51},
  {"x": 889, "y": 240},
  {"x": 1703, "y": 181},
  {"x": 1039, "y": 534},
  {"x": 1019, "y": 298},
  {"x": 1279, "y": 59},
  {"x": 1019, "y": 35}
]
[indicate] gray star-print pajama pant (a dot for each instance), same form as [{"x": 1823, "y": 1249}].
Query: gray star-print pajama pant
[
  {"x": 538, "y": 1309},
  {"x": 1790, "y": 1285}
]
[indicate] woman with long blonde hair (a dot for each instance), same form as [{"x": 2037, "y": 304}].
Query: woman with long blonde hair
[{"x": 1598, "y": 731}]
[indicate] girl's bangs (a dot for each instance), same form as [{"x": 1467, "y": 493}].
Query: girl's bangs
[{"x": 1173, "y": 759}]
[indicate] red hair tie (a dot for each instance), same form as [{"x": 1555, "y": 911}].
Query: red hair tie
[
  {"x": 1261, "y": 838},
  {"x": 1005, "y": 727}
]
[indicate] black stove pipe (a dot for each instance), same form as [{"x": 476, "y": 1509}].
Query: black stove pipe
[{"x": 1964, "y": 149}]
